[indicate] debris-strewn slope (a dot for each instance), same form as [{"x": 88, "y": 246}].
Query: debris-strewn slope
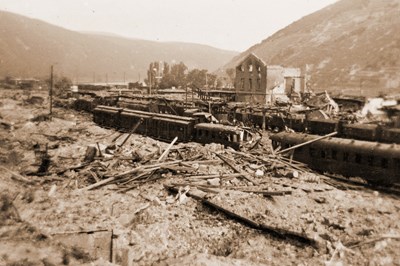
[
  {"x": 350, "y": 44},
  {"x": 28, "y": 47}
]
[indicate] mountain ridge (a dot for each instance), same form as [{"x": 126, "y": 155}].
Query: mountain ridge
[
  {"x": 29, "y": 46},
  {"x": 348, "y": 45}
]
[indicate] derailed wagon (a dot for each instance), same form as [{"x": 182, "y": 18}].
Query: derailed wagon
[
  {"x": 231, "y": 136},
  {"x": 375, "y": 162}
]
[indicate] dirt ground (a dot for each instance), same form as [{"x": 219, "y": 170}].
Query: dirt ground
[{"x": 53, "y": 218}]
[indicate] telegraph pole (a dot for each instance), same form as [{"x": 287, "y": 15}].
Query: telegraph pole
[{"x": 51, "y": 90}]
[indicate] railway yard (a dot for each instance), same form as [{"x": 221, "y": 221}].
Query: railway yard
[{"x": 76, "y": 193}]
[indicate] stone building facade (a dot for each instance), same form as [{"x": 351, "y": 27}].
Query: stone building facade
[{"x": 257, "y": 82}]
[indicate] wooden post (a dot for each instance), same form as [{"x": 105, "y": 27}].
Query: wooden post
[
  {"x": 263, "y": 122},
  {"x": 167, "y": 150},
  {"x": 51, "y": 91}
]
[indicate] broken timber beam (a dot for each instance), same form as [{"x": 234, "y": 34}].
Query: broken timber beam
[
  {"x": 18, "y": 177},
  {"x": 245, "y": 175},
  {"x": 131, "y": 132},
  {"x": 275, "y": 231},
  {"x": 307, "y": 142},
  {"x": 73, "y": 168},
  {"x": 143, "y": 168},
  {"x": 167, "y": 150}
]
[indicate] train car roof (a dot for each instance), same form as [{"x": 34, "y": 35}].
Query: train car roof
[
  {"x": 218, "y": 127},
  {"x": 171, "y": 121},
  {"x": 358, "y": 146},
  {"x": 154, "y": 115},
  {"x": 105, "y": 107},
  {"x": 361, "y": 126},
  {"x": 396, "y": 130},
  {"x": 331, "y": 121}
]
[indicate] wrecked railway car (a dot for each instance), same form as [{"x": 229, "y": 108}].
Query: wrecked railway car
[
  {"x": 345, "y": 129},
  {"x": 375, "y": 162},
  {"x": 166, "y": 127},
  {"x": 223, "y": 134}
]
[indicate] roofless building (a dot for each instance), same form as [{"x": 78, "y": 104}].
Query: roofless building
[{"x": 257, "y": 82}]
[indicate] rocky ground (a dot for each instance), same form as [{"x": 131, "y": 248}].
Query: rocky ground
[{"x": 59, "y": 217}]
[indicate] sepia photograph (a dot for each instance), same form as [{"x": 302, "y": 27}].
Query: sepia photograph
[{"x": 199, "y": 132}]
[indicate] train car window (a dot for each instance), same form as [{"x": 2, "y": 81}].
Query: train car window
[
  {"x": 358, "y": 158},
  {"x": 346, "y": 156},
  {"x": 384, "y": 163},
  {"x": 397, "y": 164},
  {"x": 370, "y": 160},
  {"x": 312, "y": 152},
  {"x": 234, "y": 138},
  {"x": 212, "y": 134},
  {"x": 334, "y": 154}
]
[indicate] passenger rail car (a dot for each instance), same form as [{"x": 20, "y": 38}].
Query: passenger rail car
[
  {"x": 345, "y": 129},
  {"x": 166, "y": 127},
  {"x": 375, "y": 162},
  {"x": 227, "y": 135}
]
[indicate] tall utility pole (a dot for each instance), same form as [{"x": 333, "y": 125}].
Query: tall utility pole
[{"x": 51, "y": 90}]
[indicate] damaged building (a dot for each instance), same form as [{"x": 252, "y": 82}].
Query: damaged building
[{"x": 257, "y": 82}]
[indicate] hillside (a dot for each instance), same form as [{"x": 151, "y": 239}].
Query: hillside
[
  {"x": 350, "y": 45},
  {"x": 28, "y": 47}
]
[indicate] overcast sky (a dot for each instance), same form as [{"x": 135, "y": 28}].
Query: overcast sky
[{"x": 227, "y": 24}]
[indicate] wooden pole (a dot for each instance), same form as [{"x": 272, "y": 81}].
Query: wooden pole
[
  {"x": 263, "y": 121},
  {"x": 167, "y": 150},
  {"x": 51, "y": 90},
  {"x": 132, "y": 131},
  {"x": 307, "y": 142}
]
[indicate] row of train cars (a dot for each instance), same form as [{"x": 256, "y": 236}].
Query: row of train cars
[
  {"x": 369, "y": 151},
  {"x": 166, "y": 127}
]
